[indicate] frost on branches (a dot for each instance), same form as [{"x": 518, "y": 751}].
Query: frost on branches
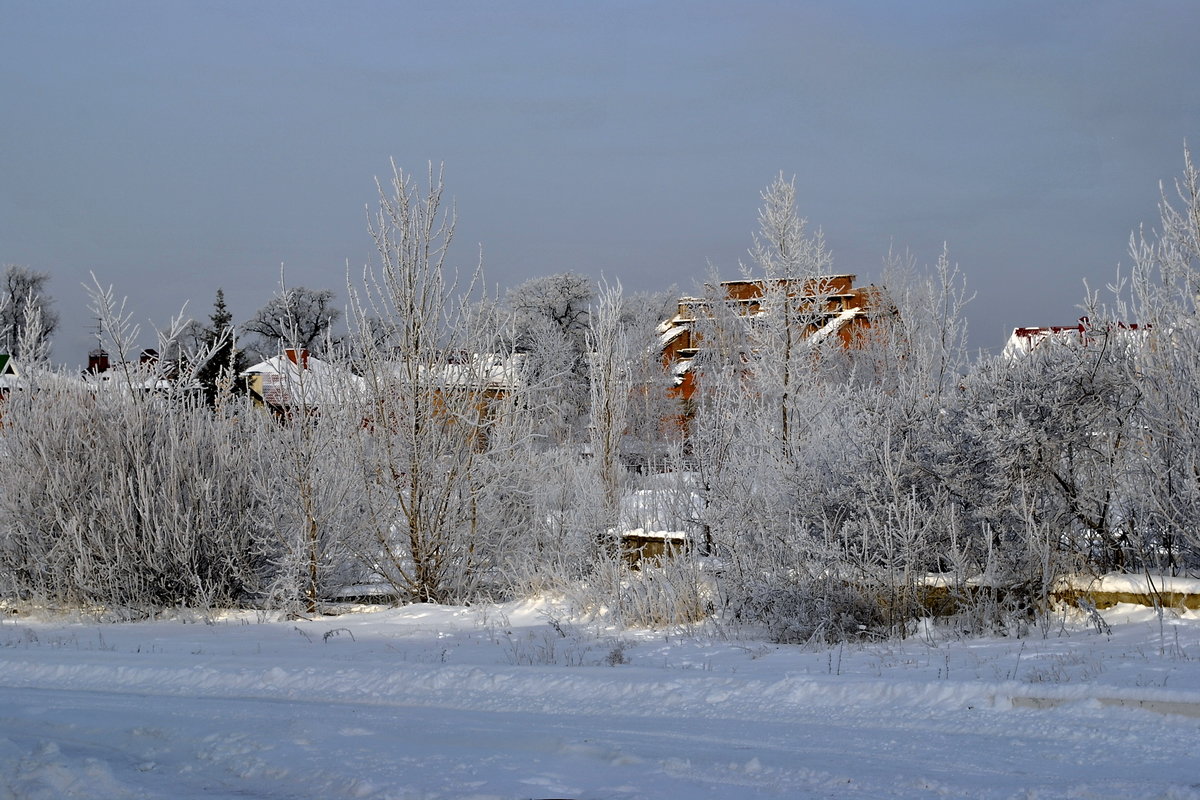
[{"x": 822, "y": 480}]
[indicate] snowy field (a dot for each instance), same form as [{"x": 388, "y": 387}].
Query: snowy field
[{"x": 514, "y": 702}]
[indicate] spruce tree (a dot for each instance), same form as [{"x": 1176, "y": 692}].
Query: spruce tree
[{"x": 227, "y": 361}]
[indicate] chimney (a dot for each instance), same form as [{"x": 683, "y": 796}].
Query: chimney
[
  {"x": 298, "y": 356},
  {"x": 97, "y": 361}
]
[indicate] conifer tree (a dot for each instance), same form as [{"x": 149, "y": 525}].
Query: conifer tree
[{"x": 227, "y": 362}]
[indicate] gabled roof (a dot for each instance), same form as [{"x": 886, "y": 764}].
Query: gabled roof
[
  {"x": 291, "y": 379},
  {"x": 9, "y": 377},
  {"x": 1024, "y": 341}
]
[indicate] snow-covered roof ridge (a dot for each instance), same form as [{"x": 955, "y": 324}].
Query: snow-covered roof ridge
[
  {"x": 296, "y": 377},
  {"x": 490, "y": 371}
]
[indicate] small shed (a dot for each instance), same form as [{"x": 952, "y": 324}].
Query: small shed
[{"x": 639, "y": 546}]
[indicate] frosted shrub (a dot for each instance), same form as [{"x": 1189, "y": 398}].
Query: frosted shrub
[
  {"x": 309, "y": 492},
  {"x": 676, "y": 591},
  {"x": 107, "y": 501},
  {"x": 799, "y": 610},
  {"x": 557, "y": 544}
]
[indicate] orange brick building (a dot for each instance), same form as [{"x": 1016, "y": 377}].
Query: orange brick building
[{"x": 824, "y": 307}]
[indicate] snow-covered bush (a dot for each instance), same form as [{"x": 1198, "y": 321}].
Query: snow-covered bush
[
  {"x": 139, "y": 504},
  {"x": 658, "y": 593},
  {"x": 817, "y": 491}
]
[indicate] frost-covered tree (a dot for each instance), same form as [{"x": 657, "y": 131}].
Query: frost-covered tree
[
  {"x": 785, "y": 252},
  {"x": 560, "y": 302},
  {"x": 295, "y": 317},
  {"x": 1045, "y": 439},
  {"x": 611, "y": 385},
  {"x": 26, "y": 319},
  {"x": 311, "y": 491},
  {"x": 444, "y": 412},
  {"x": 550, "y": 318},
  {"x": 1164, "y": 298},
  {"x": 815, "y": 452}
]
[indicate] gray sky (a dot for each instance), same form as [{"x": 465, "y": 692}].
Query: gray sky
[{"x": 173, "y": 148}]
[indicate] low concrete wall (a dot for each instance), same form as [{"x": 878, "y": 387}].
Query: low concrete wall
[
  {"x": 1101, "y": 598},
  {"x": 942, "y": 601}
]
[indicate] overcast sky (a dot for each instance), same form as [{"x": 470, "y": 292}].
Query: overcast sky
[{"x": 174, "y": 148}]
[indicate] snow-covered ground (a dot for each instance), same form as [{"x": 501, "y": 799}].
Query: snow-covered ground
[{"x": 514, "y": 702}]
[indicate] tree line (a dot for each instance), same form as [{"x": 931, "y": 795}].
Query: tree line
[{"x": 811, "y": 490}]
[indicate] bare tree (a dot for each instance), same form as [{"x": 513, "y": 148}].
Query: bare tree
[
  {"x": 25, "y": 301},
  {"x": 296, "y": 317},
  {"x": 443, "y": 406},
  {"x": 561, "y": 302}
]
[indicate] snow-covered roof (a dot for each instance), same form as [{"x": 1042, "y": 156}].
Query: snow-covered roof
[
  {"x": 833, "y": 326},
  {"x": 291, "y": 379},
  {"x": 114, "y": 378},
  {"x": 665, "y": 536},
  {"x": 9, "y": 377},
  {"x": 670, "y": 333},
  {"x": 491, "y": 371},
  {"x": 1024, "y": 341},
  {"x": 140, "y": 376},
  {"x": 679, "y": 368},
  {"x": 294, "y": 379}
]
